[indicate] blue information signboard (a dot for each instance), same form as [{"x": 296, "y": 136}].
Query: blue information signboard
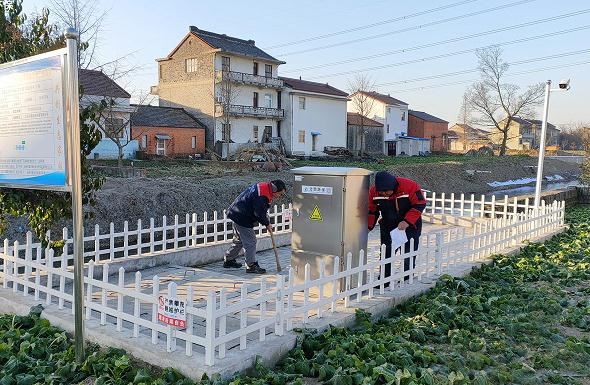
[{"x": 33, "y": 150}]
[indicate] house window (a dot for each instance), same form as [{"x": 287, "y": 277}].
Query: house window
[
  {"x": 268, "y": 100},
  {"x": 225, "y": 63},
  {"x": 115, "y": 127},
  {"x": 388, "y": 128},
  {"x": 267, "y": 134},
  {"x": 225, "y": 128},
  {"x": 255, "y": 133},
  {"x": 255, "y": 99},
  {"x": 314, "y": 142},
  {"x": 191, "y": 65},
  {"x": 160, "y": 147},
  {"x": 302, "y": 103},
  {"x": 268, "y": 70},
  {"x": 255, "y": 69},
  {"x": 144, "y": 141},
  {"x": 301, "y": 136},
  {"x": 403, "y": 115},
  {"x": 194, "y": 142}
]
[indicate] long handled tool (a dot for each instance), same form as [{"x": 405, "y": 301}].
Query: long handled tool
[{"x": 274, "y": 247}]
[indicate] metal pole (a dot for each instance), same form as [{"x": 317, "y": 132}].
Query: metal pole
[
  {"x": 76, "y": 183},
  {"x": 542, "y": 146}
]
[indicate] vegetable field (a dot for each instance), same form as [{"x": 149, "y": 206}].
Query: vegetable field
[{"x": 523, "y": 320}]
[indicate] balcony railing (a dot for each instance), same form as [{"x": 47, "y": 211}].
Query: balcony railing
[
  {"x": 257, "y": 80},
  {"x": 258, "y": 112}
]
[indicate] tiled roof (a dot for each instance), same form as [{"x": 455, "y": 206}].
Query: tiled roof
[
  {"x": 387, "y": 99},
  {"x": 232, "y": 44},
  {"x": 426, "y": 117},
  {"x": 320, "y": 88},
  {"x": 99, "y": 84},
  {"x": 530, "y": 122},
  {"x": 354, "y": 119},
  {"x": 154, "y": 116}
]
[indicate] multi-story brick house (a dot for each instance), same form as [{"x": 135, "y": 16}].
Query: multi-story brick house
[
  {"x": 423, "y": 125},
  {"x": 200, "y": 70},
  {"x": 389, "y": 111},
  {"x": 463, "y": 137}
]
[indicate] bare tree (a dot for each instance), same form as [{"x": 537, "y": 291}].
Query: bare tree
[
  {"x": 359, "y": 88},
  {"x": 496, "y": 103},
  {"x": 226, "y": 94},
  {"x": 87, "y": 18},
  {"x": 465, "y": 117}
]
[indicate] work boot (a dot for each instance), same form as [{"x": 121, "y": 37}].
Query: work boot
[
  {"x": 232, "y": 264},
  {"x": 255, "y": 269}
]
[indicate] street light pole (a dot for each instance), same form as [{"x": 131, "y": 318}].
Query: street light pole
[{"x": 542, "y": 146}]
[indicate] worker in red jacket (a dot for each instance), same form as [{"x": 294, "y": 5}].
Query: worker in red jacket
[{"x": 396, "y": 202}]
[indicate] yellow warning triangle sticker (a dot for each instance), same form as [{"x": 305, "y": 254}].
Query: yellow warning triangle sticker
[{"x": 316, "y": 214}]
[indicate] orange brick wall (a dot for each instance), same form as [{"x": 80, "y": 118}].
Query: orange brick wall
[
  {"x": 422, "y": 129},
  {"x": 180, "y": 144}
]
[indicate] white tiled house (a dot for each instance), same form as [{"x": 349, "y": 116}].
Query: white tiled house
[
  {"x": 315, "y": 117},
  {"x": 393, "y": 113}
]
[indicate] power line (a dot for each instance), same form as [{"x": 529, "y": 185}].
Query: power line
[
  {"x": 449, "y": 54},
  {"x": 471, "y": 70},
  {"x": 367, "y": 26},
  {"x": 442, "y": 21},
  {"x": 508, "y": 75},
  {"x": 441, "y": 42}
]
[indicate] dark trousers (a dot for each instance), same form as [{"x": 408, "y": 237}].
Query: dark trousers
[{"x": 386, "y": 240}]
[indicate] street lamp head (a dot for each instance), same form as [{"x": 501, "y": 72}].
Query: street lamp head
[{"x": 564, "y": 84}]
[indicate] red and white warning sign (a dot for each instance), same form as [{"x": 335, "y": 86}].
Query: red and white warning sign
[
  {"x": 172, "y": 311},
  {"x": 287, "y": 215}
]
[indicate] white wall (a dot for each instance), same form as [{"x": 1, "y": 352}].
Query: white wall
[
  {"x": 323, "y": 114},
  {"x": 242, "y": 129}
]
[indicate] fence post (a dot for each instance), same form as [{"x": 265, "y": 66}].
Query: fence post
[
  {"x": 359, "y": 283},
  {"x": 452, "y": 203},
  {"x": 62, "y": 278},
  {"x": 139, "y": 240},
  {"x": 307, "y": 279},
  {"x": 103, "y": 299},
  {"x": 438, "y": 253},
  {"x": 89, "y": 289},
  {"x": 321, "y": 287},
  {"x": 335, "y": 283},
  {"x": 462, "y": 205},
  {"x": 111, "y": 241},
  {"x": 224, "y": 225},
  {"x": 175, "y": 232},
  {"x": 120, "y": 299},
  {"x": 210, "y": 329},
  {"x": 215, "y": 227},
  {"x": 280, "y": 306},
  {"x": 189, "y": 321},
  {"x": 49, "y": 275},
  {"x": 205, "y": 229},
  {"x": 243, "y": 315},
  {"x": 222, "y": 320},
  {"x": 290, "y": 300},
  {"x": 443, "y": 203},
  {"x": 28, "y": 261},
  {"x": 164, "y": 233},
  {"x": 170, "y": 331},
  {"x": 152, "y": 247},
  {"x": 482, "y": 206},
  {"x": 347, "y": 279},
  {"x": 7, "y": 264},
  {"x": 194, "y": 230},
  {"x": 125, "y": 239},
  {"x": 493, "y": 206},
  {"x": 505, "y": 206},
  {"x": 187, "y": 230},
  {"x": 38, "y": 272},
  {"x": 136, "y": 313},
  {"x": 433, "y": 202},
  {"x": 472, "y": 208},
  {"x": 97, "y": 243},
  {"x": 155, "y": 295},
  {"x": 262, "y": 307}
]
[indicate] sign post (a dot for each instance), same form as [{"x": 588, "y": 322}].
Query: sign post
[
  {"x": 40, "y": 141},
  {"x": 73, "y": 108}
]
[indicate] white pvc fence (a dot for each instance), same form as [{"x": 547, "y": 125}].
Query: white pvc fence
[
  {"x": 225, "y": 319},
  {"x": 189, "y": 232},
  {"x": 193, "y": 231}
]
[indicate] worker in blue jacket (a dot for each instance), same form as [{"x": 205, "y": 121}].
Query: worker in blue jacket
[{"x": 248, "y": 210}]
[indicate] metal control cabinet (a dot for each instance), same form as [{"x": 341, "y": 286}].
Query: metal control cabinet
[{"x": 330, "y": 207}]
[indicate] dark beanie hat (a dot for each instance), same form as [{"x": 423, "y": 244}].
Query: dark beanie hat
[
  {"x": 384, "y": 181},
  {"x": 278, "y": 185}
]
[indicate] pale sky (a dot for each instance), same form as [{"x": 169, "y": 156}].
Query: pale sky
[{"x": 151, "y": 29}]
